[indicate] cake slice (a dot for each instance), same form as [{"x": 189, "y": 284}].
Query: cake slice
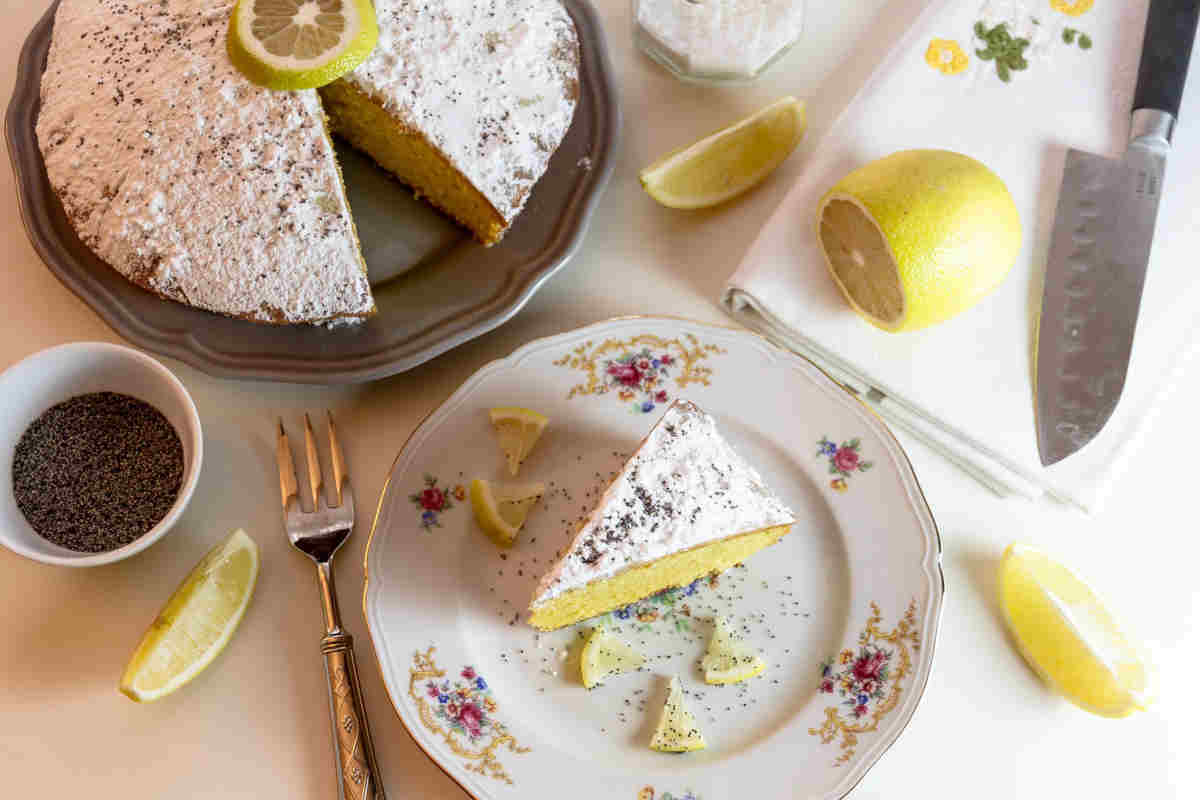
[
  {"x": 684, "y": 505},
  {"x": 463, "y": 100}
]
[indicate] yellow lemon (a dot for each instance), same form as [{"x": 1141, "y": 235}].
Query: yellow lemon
[
  {"x": 517, "y": 431},
  {"x": 501, "y": 510},
  {"x": 918, "y": 236},
  {"x": 728, "y": 162},
  {"x": 196, "y": 623},
  {"x": 1069, "y": 638},
  {"x": 677, "y": 730},
  {"x": 300, "y": 44},
  {"x": 604, "y": 655},
  {"x": 729, "y": 659}
]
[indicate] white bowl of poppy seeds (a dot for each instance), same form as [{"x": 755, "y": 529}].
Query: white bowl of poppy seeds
[{"x": 100, "y": 450}]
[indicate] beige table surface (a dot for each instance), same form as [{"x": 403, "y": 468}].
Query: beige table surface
[{"x": 255, "y": 725}]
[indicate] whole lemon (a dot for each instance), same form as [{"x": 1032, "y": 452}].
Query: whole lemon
[{"x": 918, "y": 236}]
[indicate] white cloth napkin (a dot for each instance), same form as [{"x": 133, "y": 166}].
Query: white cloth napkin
[{"x": 966, "y": 386}]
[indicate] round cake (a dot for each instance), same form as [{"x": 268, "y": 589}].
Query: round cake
[{"x": 204, "y": 188}]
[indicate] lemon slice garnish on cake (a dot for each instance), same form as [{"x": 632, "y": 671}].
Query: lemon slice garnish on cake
[
  {"x": 517, "y": 431},
  {"x": 677, "y": 731},
  {"x": 300, "y": 44},
  {"x": 196, "y": 623},
  {"x": 501, "y": 510},
  {"x": 1069, "y": 638},
  {"x": 725, "y": 164},
  {"x": 729, "y": 659},
  {"x": 916, "y": 237},
  {"x": 604, "y": 655}
]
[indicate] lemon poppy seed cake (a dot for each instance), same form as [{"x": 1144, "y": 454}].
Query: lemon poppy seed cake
[
  {"x": 464, "y": 100},
  {"x": 188, "y": 179},
  {"x": 207, "y": 189},
  {"x": 683, "y": 506}
]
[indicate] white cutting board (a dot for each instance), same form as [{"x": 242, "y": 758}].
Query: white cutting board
[{"x": 975, "y": 372}]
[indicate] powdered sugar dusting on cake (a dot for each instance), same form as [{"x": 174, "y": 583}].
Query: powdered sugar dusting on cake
[
  {"x": 187, "y": 178},
  {"x": 684, "y": 487},
  {"x": 492, "y": 83}
]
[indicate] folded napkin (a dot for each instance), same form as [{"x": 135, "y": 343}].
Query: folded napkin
[{"x": 966, "y": 386}]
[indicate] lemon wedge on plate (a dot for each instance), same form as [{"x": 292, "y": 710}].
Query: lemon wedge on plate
[
  {"x": 677, "y": 731},
  {"x": 918, "y": 236},
  {"x": 1069, "y": 638},
  {"x": 196, "y": 623},
  {"x": 501, "y": 510},
  {"x": 729, "y": 659},
  {"x": 605, "y": 655},
  {"x": 728, "y": 162},
  {"x": 300, "y": 44},
  {"x": 517, "y": 431}
]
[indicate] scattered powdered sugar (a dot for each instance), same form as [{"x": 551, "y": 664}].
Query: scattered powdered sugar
[
  {"x": 187, "y": 178},
  {"x": 492, "y": 83},
  {"x": 684, "y": 487}
]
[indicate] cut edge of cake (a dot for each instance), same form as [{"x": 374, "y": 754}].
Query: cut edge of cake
[{"x": 554, "y": 607}]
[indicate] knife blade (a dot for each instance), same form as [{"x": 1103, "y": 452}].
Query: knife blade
[{"x": 1100, "y": 248}]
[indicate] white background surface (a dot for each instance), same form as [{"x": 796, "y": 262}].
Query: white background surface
[{"x": 256, "y": 724}]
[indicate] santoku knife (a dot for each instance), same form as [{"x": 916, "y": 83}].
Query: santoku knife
[{"x": 1100, "y": 247}]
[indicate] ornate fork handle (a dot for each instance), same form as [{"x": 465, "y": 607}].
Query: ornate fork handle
[{"x": 358, "y": 775}]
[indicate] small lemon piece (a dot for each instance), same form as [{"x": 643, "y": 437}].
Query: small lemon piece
[
  {"x": 918, "y": 236},
  {"x": 501, "y": 510},
  {"x": 196, "y": 623},
  {"x": 1069, "y": 638},
  {"x": 300, "y": 44},
  {"x": 728, "y": 162},
  {"x": 604, "y": 655},
  {"x": 517, "y": 431},
  {"x": 729, "y": 659},
  {"x": 677, "y": 731}
]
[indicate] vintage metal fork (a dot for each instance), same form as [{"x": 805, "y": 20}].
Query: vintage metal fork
[{"x": 318, "y": 534}]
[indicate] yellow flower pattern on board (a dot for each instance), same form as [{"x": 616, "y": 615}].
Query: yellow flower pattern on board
[
  {"x": 1072, "y": 8},
  {"x": 946, "y": 56}
]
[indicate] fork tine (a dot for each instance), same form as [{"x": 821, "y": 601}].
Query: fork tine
[
  {"x": 314, "y": 463},
  {"x": 287, "y": 468},
  {"x": 338, "y": 461}
]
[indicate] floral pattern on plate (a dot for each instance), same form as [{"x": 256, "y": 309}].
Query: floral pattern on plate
[
  {"x": 432, "y": 500},
  {"x": 640, "y": 369},
  {"x": 844, "y": 460},
  {"x": 667, "y": 607},
  {"x": 647, "y": 793},
  {"x": 466, "y": 709},
  {"x": 868, "y": 680}
]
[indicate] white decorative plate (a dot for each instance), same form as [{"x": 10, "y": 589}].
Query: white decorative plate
[{"x": 845, "y": 608}]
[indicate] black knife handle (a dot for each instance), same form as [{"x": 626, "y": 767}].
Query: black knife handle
[{"x": 1166, "y": 49}]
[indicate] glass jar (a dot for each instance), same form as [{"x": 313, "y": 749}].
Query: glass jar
[{"x": 717, "y": 41}]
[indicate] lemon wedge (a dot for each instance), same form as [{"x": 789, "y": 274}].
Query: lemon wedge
[
  {"x": 502, "y": 510},
  {"x": 677, "y": 731},
  {"x": 1069, "y": 638},
  {"x": 919, "y": 236},
  {"x": 725, "y": 164},
  {"x": 729, "y": 659},
  {"x": 300, "y": 44},
  {"x": 196, "y": 623},
  {"x": 517, "y": 431},
  {"x": 605, "y": 655}
]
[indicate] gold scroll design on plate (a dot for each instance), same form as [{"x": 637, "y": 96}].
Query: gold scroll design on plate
[
  {"x": 481, "y": 760},
  {"x": 904, "y": 641},
  {"x": 685, "y": 353}
]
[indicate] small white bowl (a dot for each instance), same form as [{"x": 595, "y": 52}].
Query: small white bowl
[{"x": 44, "y": 379}]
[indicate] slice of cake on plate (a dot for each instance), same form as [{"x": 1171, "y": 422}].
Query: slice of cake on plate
[
  {"x": 464, "y": 100},
  {"x": 684, "y": 505}
]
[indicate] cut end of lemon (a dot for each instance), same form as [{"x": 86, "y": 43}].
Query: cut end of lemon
[
  {"x": 300, "y": 44},
  {"x": 729, "y": 659},
  {"x": 502, "y": 510},
  {"x": 517, "y": 431},
  {"x": 916, "y": 237},
  {"x": 196, "y": 623},
  {"x": 1069, "y": 638},
  {"x": 677, "y": 731},
  {"x": 728, "y": 162},
  {"x": 605, "y": 655}
]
